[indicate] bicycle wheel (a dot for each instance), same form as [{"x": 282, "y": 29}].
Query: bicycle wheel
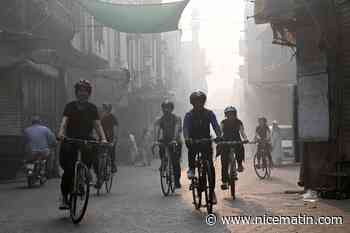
[
  {"x": 79, "y": 198},
  {"x": 260, "y": 168},
  {"x": 164, "y": 178},
  {"x": 268, "y": 168},
  {"x": 233, "y": 178},
  {"x": 171, "y": 177},
  {"x": 108, "y": 175},
  {"x": 208, "y": 188},
  {"x": 196, "y": 192},
  {"x": 101, "y": 174},
  {"x": 30, "y": 181}
]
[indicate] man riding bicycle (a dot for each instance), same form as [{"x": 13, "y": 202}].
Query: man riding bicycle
[
  {"x": 167, "y": 131},
  {"x": 80, "y": 117},
  {"x": 110, "y": 127},
  {"x": 263, "y": 138},
  {"x": 233, "y": 130},
  {"x": 197, "y": 126}
]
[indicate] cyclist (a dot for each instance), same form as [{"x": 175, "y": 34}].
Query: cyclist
[
  {"x": 110, "y": 127},
  {"x": 80, "y": 117},
  {"x": 263, "y": 137},
  {"x": 167, "y": 130},
  {"x": 233, "y": 130},
  {"x": 197, "y": 126}
]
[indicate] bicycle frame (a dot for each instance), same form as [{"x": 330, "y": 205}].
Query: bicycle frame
[
  {"x": 76, "y": 165},
  {"x": 168, "y": 184}
]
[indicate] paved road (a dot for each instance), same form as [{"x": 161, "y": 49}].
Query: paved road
[{"x": 137, "y": 205}]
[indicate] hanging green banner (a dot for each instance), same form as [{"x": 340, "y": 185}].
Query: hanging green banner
[{"x": 132, "y": 18}]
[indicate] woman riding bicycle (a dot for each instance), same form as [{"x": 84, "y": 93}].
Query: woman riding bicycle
[
  {"x": 233, "y": 130},
  {"x": 80, "y": 117},
  {"x": 263, "y": 138}
]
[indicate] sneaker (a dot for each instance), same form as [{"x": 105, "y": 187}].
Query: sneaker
[
  {"x": 64, "y": 204},
  {"x": 114, "y": 168},
  {"x": 240, "y": 168},
  {"x": 98, "y": 184},
  {"x": 214, "y": 200},
  {"x": 224, "y": 186},
  {"x": 190, "y": 174}
]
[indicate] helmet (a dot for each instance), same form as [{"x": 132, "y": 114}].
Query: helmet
[
  {"x": 198, "y": 95},
  {"x": 263, "y": 119},
  {"x": 168, "y": 104},
  {"x": 83, "y": 84},
  {"x": 230, "y": 109}
]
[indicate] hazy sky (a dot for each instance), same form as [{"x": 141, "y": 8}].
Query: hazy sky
[{"x": 221, "y": 26}]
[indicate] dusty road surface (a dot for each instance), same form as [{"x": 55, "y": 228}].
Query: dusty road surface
[{"x": 137, "y": 205}]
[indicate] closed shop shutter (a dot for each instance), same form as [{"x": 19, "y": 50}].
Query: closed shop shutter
[
  {"x": 10, "y": 115},
  {"x": 343, "y": 9}
]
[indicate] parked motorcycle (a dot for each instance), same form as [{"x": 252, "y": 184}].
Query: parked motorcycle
[{"x": 36, "y": 172}]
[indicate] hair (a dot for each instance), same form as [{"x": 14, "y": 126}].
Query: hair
[{"x": 36, "y": 119}]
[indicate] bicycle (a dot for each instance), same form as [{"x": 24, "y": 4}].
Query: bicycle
[
  {"x": 262, "y": 170},
  {"x": 81, "y": 182},
  {"x": 232, "y": 167},
  {"x": 203, "y": 179},
  {"x": 166, "y": 171},
  {"x": 105, "y": 175}
]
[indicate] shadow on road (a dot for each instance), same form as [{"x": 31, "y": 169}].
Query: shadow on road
[{"x": 241, "y": 206}]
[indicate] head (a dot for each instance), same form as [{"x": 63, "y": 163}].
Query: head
[
  {"x": 230, "y": 112},
  {"x": 262, "y": 121},
  {"x": 198, "y": 99},
  {"x": 36, "y": 120},
  {"x": 167, "y": 107},
  {"x": 106, "y": 107},
  {"x": 275, "y": 124},
  {"x": 83, "y": 90}
]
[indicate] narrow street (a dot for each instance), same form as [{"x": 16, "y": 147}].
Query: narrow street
[{"x": 137, "y": 205}]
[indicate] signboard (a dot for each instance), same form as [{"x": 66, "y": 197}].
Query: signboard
[
  {"x": 311, "y": 59},
  {"x": 313, "y": 108}
]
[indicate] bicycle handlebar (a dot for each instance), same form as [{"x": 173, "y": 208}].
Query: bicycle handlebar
[
  {"x": 219, "y": 141},
  {"x": 231, "y": 143},
  {"x": 85, "y": 142}
]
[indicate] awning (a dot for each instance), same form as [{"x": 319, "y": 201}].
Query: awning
[
  {"x": 114, "y": 74},
  {"x": 267, "y": 11},
  {"x": 132, "y": 18}
]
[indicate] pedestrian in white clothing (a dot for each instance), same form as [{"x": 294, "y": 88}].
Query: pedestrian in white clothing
[
  {"x": 276, "y": 141},
  {"x": 133, "y": 149}
]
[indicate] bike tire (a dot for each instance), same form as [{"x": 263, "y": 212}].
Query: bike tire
[
  {"x": 164, "y": 183},
  {"x": 109, "y": 176},
  {"x": 171, "y": 177},
  {"x": 208, "y": 186},
  {"x": 30, "y": 181},
  {"x": 261, "y": 172},
  {"x": 196, "y": 193},
  {"x": 101, "y": 175},
  {"x": 232, "y": 181},
  {"x": 82, "y": 180}
]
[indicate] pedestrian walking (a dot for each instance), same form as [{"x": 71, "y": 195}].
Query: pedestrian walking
[
  {"x": 133, "y": 149},
  {"x": 276, "y": 141}
]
